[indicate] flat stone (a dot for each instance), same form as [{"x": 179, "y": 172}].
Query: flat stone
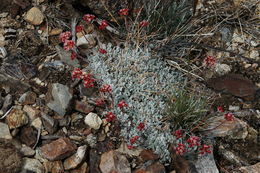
[
  {"x": 250, "y": 169},
  {"x": 206, "y": 164},
  {"x": 37, "y": 123},
  {"x": 61, "y": 98},
  {"x": 93, "y": 121},
  {"x": 32, "y": 165},
  {"x": 32, "y": 112},
  {"x": 55, "y": 31},
  {"x": 53, "y": 167},
  {"x": 28, "y": 136},
  {"x": 113, "y": 161},
  {"x": 65, "y": 57},
  {"x": 16, "y": 118},
  {"x": 76, "y": 159},
  {"x": 10, "y": 159},
  {"x": 4, "y": 131},
  {"x": 82, "y": 169},
  {"x": 50, "y": 124},
  {"x": 27, "y": 151},
  {"x": 219, "y": 127},
  {"x": 34, "y": 16},
  {"x": 83, "y": 107},
  {"x": 28, "y": 98},
  {"x": 52, "y": 152}
]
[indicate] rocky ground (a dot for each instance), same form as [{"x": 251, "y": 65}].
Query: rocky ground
[{"x": 50, "y": 122}]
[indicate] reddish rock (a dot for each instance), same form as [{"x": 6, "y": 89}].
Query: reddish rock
[
  {"x": 83, "y": 107},
  {"x": 148, "y": 155},
  {"x": 53, "y": 167},
  {"x": 76, "y": 159},
  {"x": 58, "y": 149},
  {"x": 16, "y": 118},
  {"x": 113, "y": 161},
  {"x": 28, "y": 136},
  {"x": 156, "y": 168}
]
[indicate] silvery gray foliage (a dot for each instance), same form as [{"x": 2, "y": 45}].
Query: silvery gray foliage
[{"x": 143, "y": 82}]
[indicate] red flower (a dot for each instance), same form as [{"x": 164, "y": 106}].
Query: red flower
[
  {"x": 73, "y": 55},
  {"x": 229, "y": 116},
  {"x": 100, "y": 102},
  {"x": 140, "y": 126},
  {"x": 110, "y": 117},
  {"x": 193, "y": 141},
  {"x": 205, "y": 149},
  {"x": 106, "y": 88},
  {"x": 134, "y": 139},
  {"x": 122, "y": 104},
  {"x": 209, "y": 61},
  {"x": 65, "y": 36},
  {"x": 76, "y": 73},
  {"x": 69, "y": 44},
  {"x": 88, "y": 17},
  {"x": 79, "y": 28},
  {"x": 144, "y": 23},
  {"x": 178, "y": 133},
  {"x": 103, "y": 25},
  {"x": 88, "y": 80},
  {"x": 102, "y": 51},
  {"x": 220, "y": 109},
  {"x": 180, "y": 149},
  {"x": 123, "y": 12},
  {"x": 130, "y": 147}
]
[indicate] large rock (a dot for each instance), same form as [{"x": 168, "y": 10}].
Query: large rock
[
  {"x": 114, "y": 161},
  {"x": 58, "y": 149},
  {"x": 61, "y": 97},
  {"x": 34, "y": 16},
  {"x": 32, "y": 165}
]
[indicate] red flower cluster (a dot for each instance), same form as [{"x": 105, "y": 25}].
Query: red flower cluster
[
  {"x": 144, "y": 23},
  {"x": 180, "y": 149},
  {"x": 141, "y": 126},
  {"x": 229, "y": 116},
  {"x": 103, "y": 25},
  {"x": 88, "y": 17},
  {"x": 122, "y": 104},
  {"x": 106, "y": 88},
  {"x": 100, "y": 102},
  {"x": 79, "y": 28},
  {"x": 123, "y": 12},
  {"x": 130, "y": 147},
  {"x": 134, "y": 139},
  {"x": 65, "y": 36},
  {"x": 76, "y": 73},
  {"x": 68, "y": 45},
  {"x": 102, "y": 51},
  {"x": 193, "y": 141},
  {"x": 209, "y": 61},
  {"x": 220, "y": 109},
  {"x": 73, "y": 55},
  {"x": 205, "y": 149},
  {"x": 87, "y": 78},
  {"x": 110, "y": 117},
  {"x": 178, "y": 133}
]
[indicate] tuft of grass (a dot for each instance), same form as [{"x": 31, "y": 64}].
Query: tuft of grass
[{"x": 186, "y": 109}]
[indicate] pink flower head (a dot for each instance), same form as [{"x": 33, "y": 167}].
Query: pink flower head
[
  {"x": 106, "y": 88},
  {"x": 205, "y": 149},
  {"x": 88, "y": 80},
  {"x": 76, "y": 73},
  {"x": 144, "y": 23},
  {"x": 89, "y": 17},
  {"x": 100, "y": 102},
  {"x": 110, "y": 117},
  {"x": 102, "y": 51},
  {"x": 178, "y": 133},
  {"x": 141, "y": 126},
  {"x": 180, "y": 149},
  {"x": 134, "y": 139},
  {"x": 73, "y": 55},
  {"x": 65, "y": 36},
  {"x": 123, "y": 12},
  {"x": 103, "y": 25},
  {"x": 209, "y": 61},
  {"x": 122, "y": 104},
  {"x": 79, "y": 28},
  {"x": 69, "y": 44},
  {"x": 130, "y": 147},
  {"x": 220, "y": 109},
  {"x": 193, "y": 141},
  {"x": 229, "y": 116}
]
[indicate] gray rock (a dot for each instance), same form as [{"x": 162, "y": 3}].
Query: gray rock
[
  {"x": 32, "y": 165},
  {"x": 206, "y": 164},
  {"x": 93, "y": 121},
  {"x": 76, "y": 159},
  {"x": 4, "y": 131},
  {"x": 61, "y": 98},
  {"x": 49, "y": 123},
  {"x": 8, "y": 100},
  {"x": 65, "y": 57},
  {"x": 27, "y": 151}
]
